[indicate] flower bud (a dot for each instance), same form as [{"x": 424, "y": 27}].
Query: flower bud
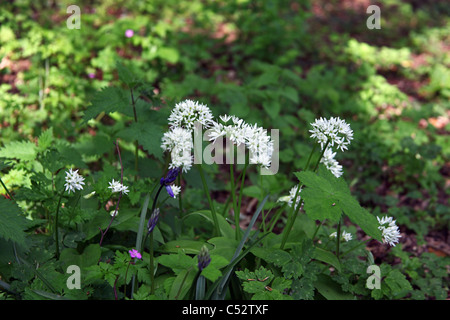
[{"x": 203, "y": 258}]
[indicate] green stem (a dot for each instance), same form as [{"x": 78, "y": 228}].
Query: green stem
[
  {"x": 292, "y": 216},
  {"x": 136, "y": 143},
  {"x": 56, "y": 226},
  {"x": 235, "y": 208},
  {"x": 208, "y": 196},
  {"x": 6, "y": 189},
  {"x": 180, "y": 202},
  {"x": 338, "y": 239},
  {"x": 126, "y": 273},
  {"x": 152, "y": 266},
  {"x": 317, "y": 230}
]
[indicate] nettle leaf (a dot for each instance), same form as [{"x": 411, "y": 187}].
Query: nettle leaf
[
  {"x": 326, "y": 197},
  {"x": 45, "y": 140},
  {"x": 108, "y": 100},
  {"x": 12, "y": 223},
  {"x": 148, "y": 136},
  {"x": 21, "y": 150}
]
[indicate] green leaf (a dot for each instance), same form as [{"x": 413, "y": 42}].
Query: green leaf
[
  {"x": 327, "y": 257},
  {"x": 125, "y": 75},
  {"x": 187, "y": 246},
  {"x": 182, "y": 283},
  {"x": 108, "y": 100},
  {"x": 45, "y": 140},
  {"x": 21, "y": 150},
  {"x": 147, "y": 134},
  {"x": 225, "y": 228},
  {"x": 398, "y": 283},
  {"x": 177, "y": 262},
  {"x": 326, "y": 197},
  {"x": 330, "y": 289},
  {"x": 12, "y": 223}
]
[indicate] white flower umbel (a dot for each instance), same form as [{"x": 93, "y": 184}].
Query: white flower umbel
[
  {"x": 116, "y": 186},
  {"x": 255, "y": 138},
  {"x": 290, "y": 198},
  {"x": 186, "y": 113},
  {"x": 331, "y": 163},
  {"x": 179, "y": 142},
  {"x": 74, "y": 181},
  {"x": 346, "y": 236},
  {"x": 390, "y": 231},
  {"x": 334, "y": 129}
]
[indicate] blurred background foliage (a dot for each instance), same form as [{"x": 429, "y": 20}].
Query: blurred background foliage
[{"x": 280, "y": 63}]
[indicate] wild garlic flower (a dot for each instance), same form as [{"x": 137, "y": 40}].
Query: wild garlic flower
[
  {"x": 186, "y": 113},
  {"x": 176, "y": 190},
  {"x": 390, "y": 231},
  {"x": 290, "y": 198},
  {"x": 255, "y": 138},
  {"x": 74, "y": 181},
  {"x": 330, "y": 163},
  {"x": 336, "y": 130},
  {"x": 346, "y": 236},
  {"x": 179, "y": 142},
  {"x": 260, "y": 145},
  {"x": 116, "y": 186}
]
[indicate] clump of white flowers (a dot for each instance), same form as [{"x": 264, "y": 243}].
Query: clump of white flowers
[
  {"x": 116, "y": 186},
  {"x": 389, "y": 230},
  {"x": 179, "y": 139},
  {"x": 333, "y": 133},
  {"x": 176, "y": 190},
  {"x": 186, "y": 113},
  {"x": 74, "y": 181},
  {"x": 346, "y": 236},
  {"x": 179, "y": 142},
  {"x": 255, "y": 138}
]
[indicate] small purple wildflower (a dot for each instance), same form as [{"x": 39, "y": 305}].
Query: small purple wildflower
[
  {"x": 129, "y": 33},
  {"x": 170, "y": 178},
  {"x": 153, "y": 220},
  {"x": 203, "y": 258},
  {"x": 135, "y": 254}
]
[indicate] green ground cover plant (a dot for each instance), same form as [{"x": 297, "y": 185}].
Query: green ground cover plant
[{"x": 338, "y": 135}]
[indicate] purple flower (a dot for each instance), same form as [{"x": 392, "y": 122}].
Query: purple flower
[
  {"x": 129, "y": 33},
  {"x": 153, "y": 220},
  {"x": 170, "y": 178},
  {"x": 91, "y": 75},
  {"x": 203, "y": 258},
  {"x": 135, "y": 254}
]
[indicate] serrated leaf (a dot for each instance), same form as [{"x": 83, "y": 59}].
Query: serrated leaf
[
  {"x": 12, "y": 223},
  {"x": 45, "y": 140},
  {"x": 21, "y": 150},
  {"x": 148, "y": 136},
  {"x": 177, "y": 262},
  {"x": 108, "y": 100}
]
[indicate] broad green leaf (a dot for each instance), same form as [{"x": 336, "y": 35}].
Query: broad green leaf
[
  {"x": 182, "y": 283},
  {"x": 225, "y": 228},
  {"x": 330, "y": 289},
  {"x": 187, "y": 246},
  {"x": 326, "y": 197},
  {"x": 327, "y": 257},
  {"x": 177, "y": 262}
]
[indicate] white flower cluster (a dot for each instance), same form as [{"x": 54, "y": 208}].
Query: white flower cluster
[
  {"x": 390, "y": 231},
  {"x": 74, "y": 181},
  {"x": 346, "y": 236},
  {"x": 336, "y": 130},
  {"x": 186, "y": 113},
  {"x": 331, "y": 163},
  {"x": 290, "y": 198},
  {"x": 179, "y": 142},
  {"x": 179, "y": 139},
  {"x": 338, "y": 134},
  {"x": 116, "y": 186},
  {"x": 255, "y": 138}
]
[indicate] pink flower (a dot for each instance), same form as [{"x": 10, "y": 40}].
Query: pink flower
[
  {"x": 129, "y": 33},
  {"x": 91, "y": 75},
  {"x": 135, "y": 254}
]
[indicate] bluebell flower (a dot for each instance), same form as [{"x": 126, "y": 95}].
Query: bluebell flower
[
  {"x": 203, "y": 258},
  {"x": 153, "y": 220},
  {"x": 169, "y": 179}
]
